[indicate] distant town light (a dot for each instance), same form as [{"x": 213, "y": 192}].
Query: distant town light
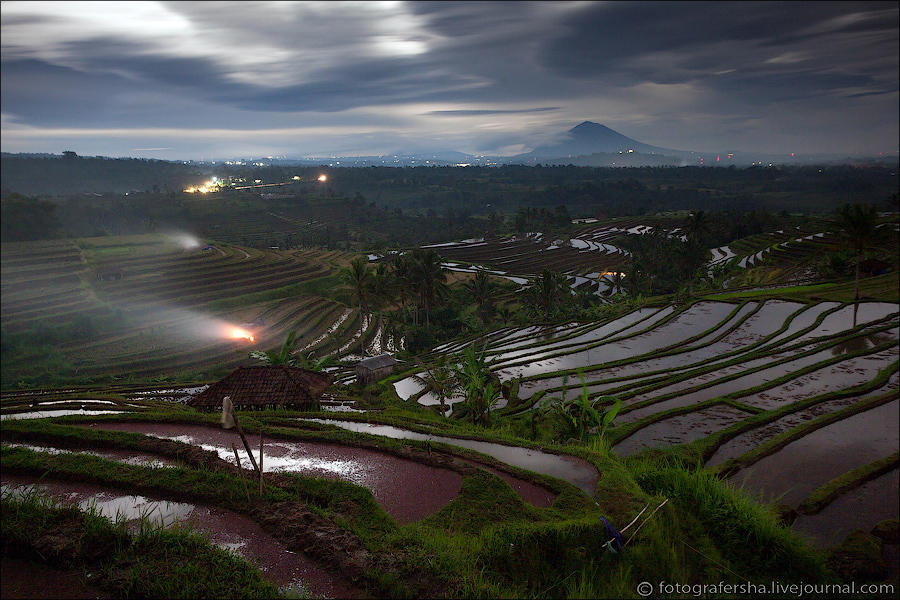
[
  {"x": 323, "y": 178},
  {"x": 296, "y": 178}
]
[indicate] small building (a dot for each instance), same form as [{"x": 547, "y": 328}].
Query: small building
[
  {"x": 258, "y": 388},
  {"x": 372, "y": 369},
  {"x": 111, "y": 274}
]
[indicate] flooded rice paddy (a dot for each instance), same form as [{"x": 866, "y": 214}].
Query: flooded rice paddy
[
  {"x": 790, "y": 474},
  {"x": 859, "y": 508},
  {"x": 568, "y": 468},
  {"x": 386, "y": 476}
]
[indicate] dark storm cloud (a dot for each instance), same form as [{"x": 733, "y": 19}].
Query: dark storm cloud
[
  {"x": 679, "y": 73},
  {"x": 685, "y": 42}
]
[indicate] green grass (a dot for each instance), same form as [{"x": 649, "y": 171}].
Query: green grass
[{"x": 149, "y": 562}]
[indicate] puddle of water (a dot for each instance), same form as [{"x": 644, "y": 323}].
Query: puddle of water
[
  {"x": 740, "y": 314},
  {"x": 733, "y": 386},
  {"x": 767, "y": 320},
  {"x": 574, "y": 470},
  {"x": 78, "y": 401},
  {"x": 820, "y": 456},
  {"x": 860, "y": 508},
  {"x": 680, "y": 429}
]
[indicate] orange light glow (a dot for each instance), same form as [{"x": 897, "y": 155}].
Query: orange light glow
[
  {"x": 238, "y": 333},
  {"x": 323, "y": 178}
]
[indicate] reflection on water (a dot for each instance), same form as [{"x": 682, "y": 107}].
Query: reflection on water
[
  {"x": 568, "y": 468},
  {"x": 41, "y": 414},
  {"x": 280, "y": 456},
  {"x": 157, "y": 512}
]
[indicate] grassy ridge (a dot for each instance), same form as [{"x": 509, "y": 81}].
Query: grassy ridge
[{"x": 127, "y": 563}]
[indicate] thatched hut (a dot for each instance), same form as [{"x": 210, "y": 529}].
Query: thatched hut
[
  {"x": 375, "y": 368},
  {"x": 266, "y": 387}
]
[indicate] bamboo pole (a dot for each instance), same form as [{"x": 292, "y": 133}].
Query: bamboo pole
[
  {"x": 260, "y": 462},
  {"x": 240, "y": 430},
  {"x": 241, "y": 470}
]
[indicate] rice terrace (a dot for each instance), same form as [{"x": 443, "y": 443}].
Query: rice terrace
[
  {"x": 545, "y": 417},
  {"x": 348, "y": 300}
]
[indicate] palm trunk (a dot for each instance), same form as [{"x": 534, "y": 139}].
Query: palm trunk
[{"x": 856, "y": 292}]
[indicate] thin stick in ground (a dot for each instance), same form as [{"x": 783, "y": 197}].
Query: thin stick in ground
[
  {"x": 260, "y": 462},
  {"x": 240, "y": 431},
  {"x": 237, "y": 459}
]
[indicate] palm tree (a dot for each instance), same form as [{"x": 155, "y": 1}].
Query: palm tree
[
  {"x": 614, "y": 281},
  {"x": 431, "y": 278},
  {"x": 282, "y": 357},
  {"x": 440, "y": 380},
  {"x": 546, "y": 290},
  {"x": 858, "y": 224},
  {"x": 695, "y": 226},
  {"x": 358, "y": 279},
  {"x": 474, "y": 377},
  {"x": 482, "y": 290}
]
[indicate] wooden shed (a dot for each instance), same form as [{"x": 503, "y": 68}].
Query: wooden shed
[
  {"x": 266, "y": 387},
  {"x": 375, "y": 368}
]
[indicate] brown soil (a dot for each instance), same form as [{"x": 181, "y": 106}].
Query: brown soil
[{"x": 21, "y": 578}]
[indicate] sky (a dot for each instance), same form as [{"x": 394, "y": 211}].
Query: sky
[{"x": 203, "y": 80}]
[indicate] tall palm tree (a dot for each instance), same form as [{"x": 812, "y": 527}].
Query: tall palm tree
[
  {"x": 474, "y": 378},
  {"x": 402, "y": 281},
  {"x": 284, "y": 357},
  {"x": 358, "y": 278},
  {"x": 431, "y": 278},
  {"x": 858, "y": 225},
  {"x": 614, "y": 281},
  {"x": 546, "y": 290},
  {"x": 696, "y": 225},
  {"x": 440, "y": 380},
  {"x": 482, "y": 290}
]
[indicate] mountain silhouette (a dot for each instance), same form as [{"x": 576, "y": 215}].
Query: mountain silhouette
[{"x": 593, "y": 138}]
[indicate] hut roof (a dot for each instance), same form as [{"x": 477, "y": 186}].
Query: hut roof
[
  {"x": 378, "y": 362},
  {"x": 256, "y": 386}
]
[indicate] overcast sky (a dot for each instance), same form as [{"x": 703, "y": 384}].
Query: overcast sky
[{"x": 208, "y": 79}]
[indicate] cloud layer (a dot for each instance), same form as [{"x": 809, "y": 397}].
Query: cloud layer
[{"x": 180, "y": 80}]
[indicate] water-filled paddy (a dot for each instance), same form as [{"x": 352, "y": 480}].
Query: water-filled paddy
[
  {"x": 749, "y": 440},
  {"x": 569, "y": 468},
  {"x": 805, "y": 464},
  {"x": 43, "y": 414},
  {"x": 680, "y": 429},
  {"x": 860, "y": 508},
  {"x": 386, "y": 476}
]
